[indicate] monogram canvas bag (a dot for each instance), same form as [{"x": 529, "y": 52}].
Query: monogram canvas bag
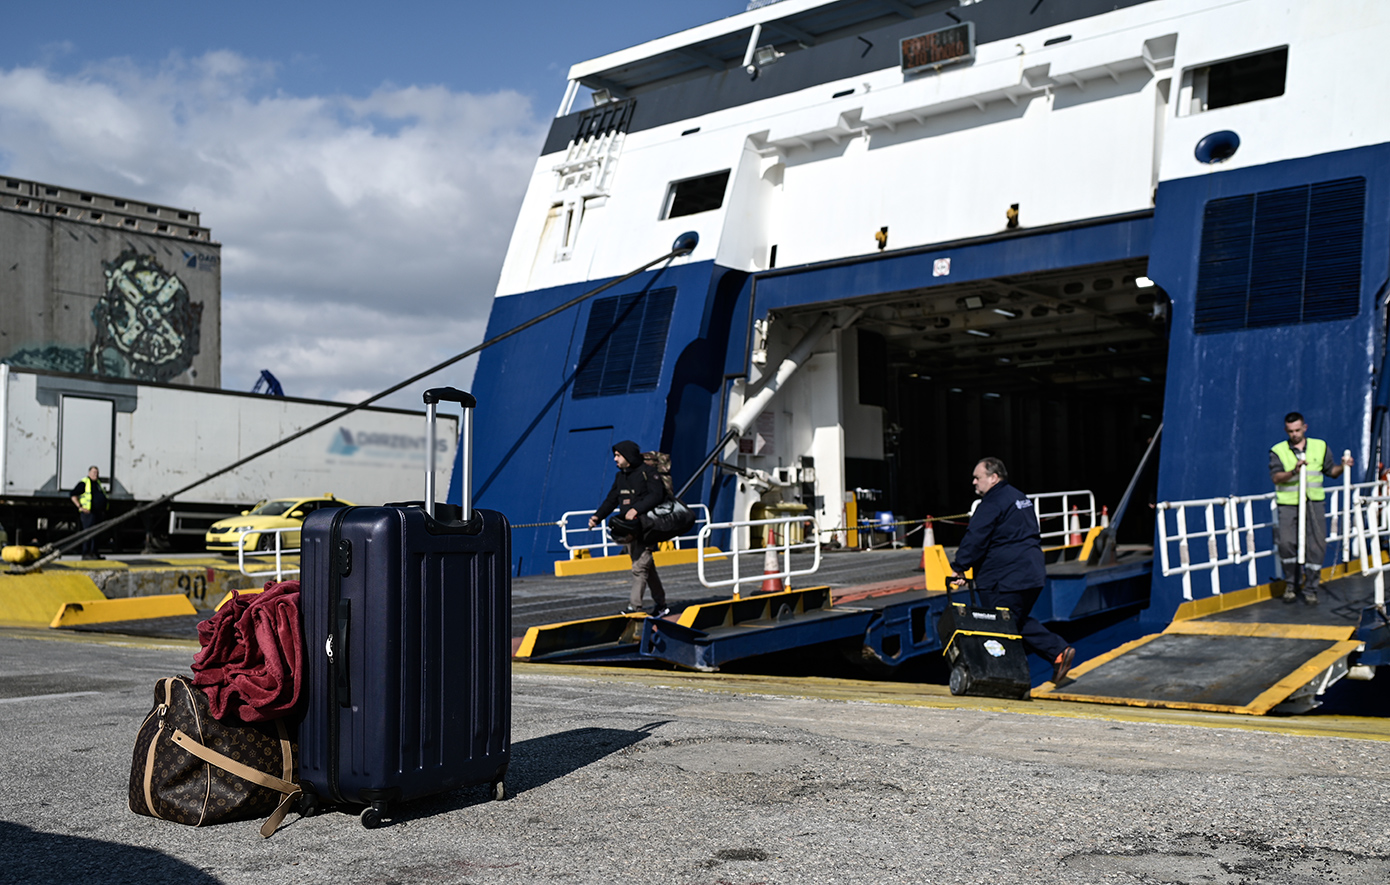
[{"x": 191, "y": 769}]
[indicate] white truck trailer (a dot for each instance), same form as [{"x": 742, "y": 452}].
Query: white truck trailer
[{"x": 148, "y": 439}]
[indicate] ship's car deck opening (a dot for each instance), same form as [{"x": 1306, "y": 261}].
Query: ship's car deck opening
[{"x": 1059, "y": 374}]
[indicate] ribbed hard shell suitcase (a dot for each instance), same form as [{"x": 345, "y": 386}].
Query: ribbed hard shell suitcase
[
  {"x": 984, "y": 650},
  {"x": 407, "y": 625}
]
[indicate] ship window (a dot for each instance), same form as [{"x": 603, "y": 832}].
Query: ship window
[
  {"x": 624, "y": 344},
  {"x": 696, "y": 195},
  {"x": 1235, "y": 81},
  {"x": 1281, "y": 257}
]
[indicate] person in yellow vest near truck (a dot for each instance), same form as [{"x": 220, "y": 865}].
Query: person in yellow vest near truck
[
  {"x": 1287, "y": 461},
  {"x": 90, "y": 499}
]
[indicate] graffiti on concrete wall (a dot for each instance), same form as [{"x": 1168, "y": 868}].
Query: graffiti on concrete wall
[
  {"x": 145, "y": 323},
  {"x": 146, "y": 326}
]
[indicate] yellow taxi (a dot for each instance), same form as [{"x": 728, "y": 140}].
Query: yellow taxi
[{"x": 225, "y": 535}]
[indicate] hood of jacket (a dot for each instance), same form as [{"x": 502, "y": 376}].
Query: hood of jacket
[{"x": 631, "y": 451}]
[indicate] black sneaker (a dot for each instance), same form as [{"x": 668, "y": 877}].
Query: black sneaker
[{"x": 660, "y": 611}]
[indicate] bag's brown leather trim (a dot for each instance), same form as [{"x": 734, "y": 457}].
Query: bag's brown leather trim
[
  {"x": 286, "y": 751},
  {"x": 188, "y": 690},
  {"x": 154, "y": 744}
]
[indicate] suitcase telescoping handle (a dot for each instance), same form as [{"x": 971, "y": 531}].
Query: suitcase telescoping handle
[{"x": 433, "y": 396}]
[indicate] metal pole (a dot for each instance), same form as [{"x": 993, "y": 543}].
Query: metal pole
[
  {"x": 1346, "y": 509},
  {"x": 1302, "y": 519},
  {"x": 466, "y": 481},
  {"x": 429, "y": 458}
]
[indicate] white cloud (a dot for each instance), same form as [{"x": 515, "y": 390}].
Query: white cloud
[{"x": 362, "y": 237}]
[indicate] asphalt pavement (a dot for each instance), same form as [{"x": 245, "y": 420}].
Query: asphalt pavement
[{"x": 643, "y": 776}]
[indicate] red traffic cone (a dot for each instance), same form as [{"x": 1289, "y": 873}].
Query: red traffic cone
[
  {"x": 770, "y": 564},
  {"x": 1075, "y": 539}
]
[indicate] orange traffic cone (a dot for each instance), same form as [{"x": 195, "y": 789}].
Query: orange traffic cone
[
  {"x": 770, "y": 564},
  {"x": 1075, "y": 539},
  {"x": 1104, "y": 516},
  {"x": 928, "y": 535}
]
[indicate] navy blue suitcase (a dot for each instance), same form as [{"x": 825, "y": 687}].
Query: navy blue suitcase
[{"x": 407, "y": 628}]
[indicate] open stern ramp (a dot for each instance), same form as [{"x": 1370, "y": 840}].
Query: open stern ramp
[
  {"x": 710, "y": 635},
  {"x": 1257, "y": 655}
]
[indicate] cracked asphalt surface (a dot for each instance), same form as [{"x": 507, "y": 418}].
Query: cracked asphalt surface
[{"x": 642, "y": 776}]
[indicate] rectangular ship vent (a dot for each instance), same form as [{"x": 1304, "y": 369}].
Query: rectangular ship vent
[
  {"x": 1281, "y": 257},
  {"x": 624, "y": 344}
]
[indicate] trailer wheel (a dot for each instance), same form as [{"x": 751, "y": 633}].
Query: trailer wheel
[{"x": 960, "y": 680}]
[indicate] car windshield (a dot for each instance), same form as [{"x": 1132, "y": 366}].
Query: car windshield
[{"x": 273, "y": 508}]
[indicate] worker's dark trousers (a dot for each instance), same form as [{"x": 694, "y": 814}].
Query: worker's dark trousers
[
  {"x": 1036, "y": 638},
  {"x": 89, "y": 546}
]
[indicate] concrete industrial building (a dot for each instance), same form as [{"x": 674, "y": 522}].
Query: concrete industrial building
[{"x": 108, "y": 287}]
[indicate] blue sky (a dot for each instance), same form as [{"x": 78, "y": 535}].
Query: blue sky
[{"x": 361, "y": 163}]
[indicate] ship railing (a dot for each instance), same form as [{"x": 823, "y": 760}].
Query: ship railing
[
  {"x": 1370, "y": 516},
  {"x": 280, "y": 551},
  {"x": 576, "y": 535},
  {"x": 1082, "y": 500},
  {"x": 786, "y": 536},
  {"x": 1209, "y": 533}
]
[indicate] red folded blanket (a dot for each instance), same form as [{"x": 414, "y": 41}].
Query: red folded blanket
[{"x": 252, "y": 660}]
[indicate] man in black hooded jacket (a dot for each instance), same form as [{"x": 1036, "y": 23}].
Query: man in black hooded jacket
[{"x": 636, "y": 489}]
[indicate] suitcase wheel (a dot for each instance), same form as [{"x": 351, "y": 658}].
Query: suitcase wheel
[
  {"x": 309, "y": 805},
  {"x": 499, "y": 790},
  {"x": 960, "y": 680},
  {"x": 374, "y": 815}
]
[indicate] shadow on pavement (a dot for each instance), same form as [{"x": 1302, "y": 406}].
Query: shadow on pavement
[
  {"x": 34, "y": 856},
  {"x": 535, "y": 762}
]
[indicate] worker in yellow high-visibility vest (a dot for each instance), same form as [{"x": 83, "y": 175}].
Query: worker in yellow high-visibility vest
[
  {"x": 1287, "y": 461},
  {"x": 90, "y": 499}
]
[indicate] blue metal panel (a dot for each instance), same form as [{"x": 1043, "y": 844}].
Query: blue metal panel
[
  {"x": 1227, "y": 392},
  {"x": 538, "y": 452},
  {"x": 1070, "y": 246}
]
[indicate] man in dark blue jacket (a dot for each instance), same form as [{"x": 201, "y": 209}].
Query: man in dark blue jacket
[
  {"x": 1003, "y": 544},
  {"x": 636, "y": 489}
]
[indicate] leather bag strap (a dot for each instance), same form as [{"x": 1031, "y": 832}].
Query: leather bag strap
[{"x": 290, "y": 790}]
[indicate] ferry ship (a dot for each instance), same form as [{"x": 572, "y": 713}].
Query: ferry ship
[{"x": 1030, "y": 229}]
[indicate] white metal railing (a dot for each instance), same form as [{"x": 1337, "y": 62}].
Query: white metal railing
[
  {"x": 579, "y": 537},
  {"x": 280, "y": 569},
  {"x": 1082, "y": 499},
  {"x": 1233, "y": 531},
  {"x": 1371, "y": 517},
  {"x": 782, "y": 547}
]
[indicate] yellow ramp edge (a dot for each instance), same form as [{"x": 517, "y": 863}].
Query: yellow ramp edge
[
  {"x": 1269, "y": 631},
  {"x": 32, "y": 599},
  {"x": 592, "y": 565},
  {"x": 596, "y": 565},
  {"x": 580, "y": 633},
  {"x": 134, "y": 608},
  {"x": 1260, "y": 705},
  {"x": 227, "y": 597}
]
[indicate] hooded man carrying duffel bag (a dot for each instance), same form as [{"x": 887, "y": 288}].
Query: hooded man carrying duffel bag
[{"x": 637, "y": 490}]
